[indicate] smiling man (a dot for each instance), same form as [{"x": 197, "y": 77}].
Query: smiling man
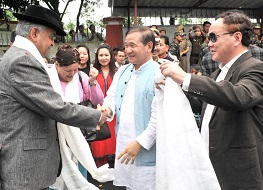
[
  {"x": 30, "y": 107},
  {"x": 130, "y": 96},
  {"x": 232, "y": 122}
]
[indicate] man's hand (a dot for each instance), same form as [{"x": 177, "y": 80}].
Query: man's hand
[
  {"x": 169, "y": 69},
  {"x": 103, "y": 115},
  {"x": 130, "y": 152},
  {"x": 161, "y": 84},
  {"x": 108, "y": 111}
]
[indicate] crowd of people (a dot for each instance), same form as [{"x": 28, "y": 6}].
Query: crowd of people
[
  {"x": 224, "y": 86},
  {"x": 196, "y": 45},
  {"x": 82, "y": 36}
]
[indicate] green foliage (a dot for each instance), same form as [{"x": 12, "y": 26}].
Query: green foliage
[
  {"x": 184, "y": 21},
  {"x": 9, "y": 15},
  {"x": 88, "y": 12},
  {"x": 125, "y": 22},
  {"x": 69, "y": 26}
]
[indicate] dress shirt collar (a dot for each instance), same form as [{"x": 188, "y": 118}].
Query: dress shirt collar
[{"x": 226, "y": 67}]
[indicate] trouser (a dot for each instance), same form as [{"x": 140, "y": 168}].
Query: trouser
[
  {"x": 183, "y": 63},
  {"x": 194, "y": 60}
]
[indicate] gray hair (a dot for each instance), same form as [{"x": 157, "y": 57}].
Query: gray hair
[{"x": 24, "y": 27}]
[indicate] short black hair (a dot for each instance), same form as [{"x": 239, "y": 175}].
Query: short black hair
[
  {"x": 206, "y": 22},
  {"x": 146, "y": 35},
  {"x": 166, "y": 39},
  {"x": 70, "y": 32},
  {"x": 236, "y": 20}
]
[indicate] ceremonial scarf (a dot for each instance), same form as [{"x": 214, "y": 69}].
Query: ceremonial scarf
[
  {"x": 181, "y": 159},
  {"x": 71, "y": 139}
]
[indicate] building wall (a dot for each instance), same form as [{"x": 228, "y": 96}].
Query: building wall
[{"x": 92, "y": 46}]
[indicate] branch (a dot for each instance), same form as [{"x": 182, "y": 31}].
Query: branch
[
  {"x": 78, "y": 15},
  {"x": 48, "y": 4},
  {"x": 65, "y": 9}
]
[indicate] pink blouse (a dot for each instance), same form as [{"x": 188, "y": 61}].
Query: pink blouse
[{"x": 92, "y": 93}]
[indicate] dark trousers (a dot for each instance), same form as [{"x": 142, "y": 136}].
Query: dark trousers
[{"x": 194, "y": 60}]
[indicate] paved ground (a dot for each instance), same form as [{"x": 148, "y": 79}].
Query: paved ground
[
  {"x": 104, "y": 186},
  {"x": 60, "y": 185}
]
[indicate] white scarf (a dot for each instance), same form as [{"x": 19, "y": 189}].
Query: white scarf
[
  {"x": 181, "y": 159},
  {"x": 68, "y": 134}
]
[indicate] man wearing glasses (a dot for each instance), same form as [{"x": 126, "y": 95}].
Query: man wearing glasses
[{"x": 232, "y": 122}]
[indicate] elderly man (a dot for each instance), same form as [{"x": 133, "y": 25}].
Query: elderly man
[
  {"x": 130, "y": 96},
  {"x": 29, "y": 106},
  {"x": 232, "y": 119}
]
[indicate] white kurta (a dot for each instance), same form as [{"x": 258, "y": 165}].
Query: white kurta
[{"x": 130, "y": 175}]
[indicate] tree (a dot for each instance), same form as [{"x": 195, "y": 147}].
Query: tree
[
  {"x": 16, "y": 5},
  {"x": 125, "y": 22},
  {"x": 184, "y": 21},
  {"x": 87, "y": 10},
  {"x": 9, "y": 15}
]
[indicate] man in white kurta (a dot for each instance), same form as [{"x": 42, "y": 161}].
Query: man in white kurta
[{"x": 135, "y": 164}]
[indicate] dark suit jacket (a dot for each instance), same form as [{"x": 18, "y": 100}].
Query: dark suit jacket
[
  {"x": 236, "y": 125},
  {"x": 29, "y": 107}
]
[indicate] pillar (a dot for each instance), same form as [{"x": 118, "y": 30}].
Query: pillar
[{"x": 114, "y": 36}]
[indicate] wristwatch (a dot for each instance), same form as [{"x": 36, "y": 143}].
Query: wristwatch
[{"x": 94, "y": 83}]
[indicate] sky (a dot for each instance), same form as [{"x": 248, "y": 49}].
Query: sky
[{"x": 73, "y": 7}]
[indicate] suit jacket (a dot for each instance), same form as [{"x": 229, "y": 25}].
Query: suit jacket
[
  {"x": 236, "y": 125},
  {"x": 29, "y": 109}
]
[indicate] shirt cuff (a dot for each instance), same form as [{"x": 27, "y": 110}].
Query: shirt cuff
[
  {"x": 144, "y": 143},
  {"x": 186, "y": 82}
]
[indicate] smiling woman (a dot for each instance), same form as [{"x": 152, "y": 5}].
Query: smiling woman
[{"x": 67, "y": 60}]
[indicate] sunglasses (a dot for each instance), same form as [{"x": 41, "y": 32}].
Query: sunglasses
[{"x": 213, "y": 37}]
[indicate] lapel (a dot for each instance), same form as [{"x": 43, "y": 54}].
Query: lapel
[
  {"x": 236, "y": 64},
  {"x": 229, "y": 75},
  {"x": 213, "y": 76}
]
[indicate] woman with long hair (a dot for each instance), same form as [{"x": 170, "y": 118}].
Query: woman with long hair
[
  {"x": 104, "y": 151},
  {"x": 76, "y": 83}
]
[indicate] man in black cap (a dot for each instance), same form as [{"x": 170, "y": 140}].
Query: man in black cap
[
  {"x": 256, "y": 37},
  {"x": 174, "y": 46},
  {"x": 29, "y": 106}
]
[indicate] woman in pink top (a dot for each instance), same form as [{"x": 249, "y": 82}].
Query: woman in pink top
[
  {"x": 67, "y": 64},
  {"x": 67, "y": 60}
]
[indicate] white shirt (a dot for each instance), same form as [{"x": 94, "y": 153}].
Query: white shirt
[
  {"x": 130, "y": 175},
  {"x": 80, "y": 38},
  {"x": 210, "y": 108},
  {"x": 117, "y": 65},
  {"x": 95, "y": 39}
]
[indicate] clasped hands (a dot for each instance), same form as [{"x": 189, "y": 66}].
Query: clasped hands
[{"x": 105, "y": 113}]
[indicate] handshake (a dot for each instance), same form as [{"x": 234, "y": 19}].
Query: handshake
[{"x": 105, "y": 113}]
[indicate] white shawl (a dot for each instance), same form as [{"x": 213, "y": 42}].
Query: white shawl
[
  {"x": 72, "y": 135},
  {"x": 181, "y": 159}
]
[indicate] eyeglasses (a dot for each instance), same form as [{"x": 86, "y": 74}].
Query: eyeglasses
[{"x": 213, "y": 37}]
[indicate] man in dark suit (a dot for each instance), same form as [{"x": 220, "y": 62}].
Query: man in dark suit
[
  {"x": 29, "y": 106},
  {"x": 232, "y": 113}
]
